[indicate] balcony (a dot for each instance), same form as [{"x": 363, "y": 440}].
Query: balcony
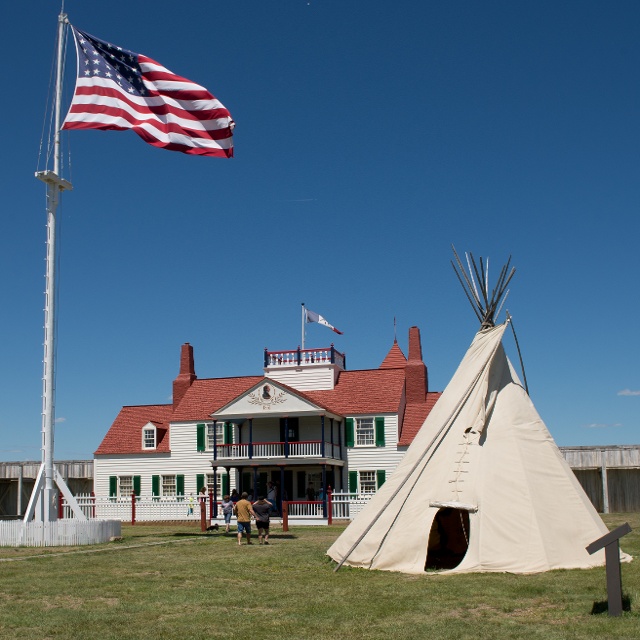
[
  {"x": 304, "y": 358},
  {"x": 311, "y": 449}
]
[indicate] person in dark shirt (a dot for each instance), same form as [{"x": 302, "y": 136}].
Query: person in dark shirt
[{"x": 262, "y": 508}]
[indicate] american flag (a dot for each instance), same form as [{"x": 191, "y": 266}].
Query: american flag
[{"x": 120, "y": 89}]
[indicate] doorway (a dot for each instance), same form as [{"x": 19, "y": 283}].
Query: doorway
[{"x": 448, "y": 539}]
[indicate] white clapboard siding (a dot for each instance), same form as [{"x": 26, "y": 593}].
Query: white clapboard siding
[
  {"x": 375, "y": 458},
  {"x": 306, "y": 379}
]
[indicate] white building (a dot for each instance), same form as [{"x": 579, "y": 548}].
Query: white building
[{"x": 306, "y": 421}]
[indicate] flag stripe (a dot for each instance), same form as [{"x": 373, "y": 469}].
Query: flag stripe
[
  {"x": 119, "y": 89},
  {"x": 170, "y": 120}
]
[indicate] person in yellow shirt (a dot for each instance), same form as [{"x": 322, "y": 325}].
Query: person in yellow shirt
[{"x": 244, "y": 512}]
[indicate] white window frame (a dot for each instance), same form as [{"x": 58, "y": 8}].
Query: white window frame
[
  {"x": 367, "y": 484},
  {"x": 219, "y": 431},
  {"x": 149, "y": 428},
  {"x": 168, "y": 486},
  {"x": 364, "y": 437},
  {"x": 125, "y": 489}
]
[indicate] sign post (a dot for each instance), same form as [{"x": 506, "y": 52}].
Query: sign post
[{"x": 610, "y": 543}]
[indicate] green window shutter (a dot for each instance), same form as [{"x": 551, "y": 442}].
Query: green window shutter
[
  {"x": 200, "y": 482},
  {"x": 379, "y": 432},
  {"x": 349, "y": 433},
  {"x": 180, "y": 484},
  {"x": 200, "y": 437},
  {"x": 136, "y": 485},
  {"x": 113, "y": 486},
  {"x": 225, "y": 485},
  {"x": 353, "y": 482},
  {"x": 228, "y": 433},
  {"x": 155, "y": 485},
  {"x": 381, "y": 476}
]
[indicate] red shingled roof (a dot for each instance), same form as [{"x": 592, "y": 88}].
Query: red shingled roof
[
  {"x": 395, "y": 358},
  {"x": 368, "y": 391},
  {"x": 125, "y": 435},
  {"x": 414, "y": 416},
  {"x": 204, "y": 397}
]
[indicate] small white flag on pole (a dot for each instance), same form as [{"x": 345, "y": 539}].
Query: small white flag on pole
[{"x": 312, "y": 316}]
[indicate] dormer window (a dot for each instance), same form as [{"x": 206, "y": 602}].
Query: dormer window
[{"x": 149, "y": 437}]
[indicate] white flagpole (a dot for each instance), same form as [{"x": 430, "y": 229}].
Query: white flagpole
[
  {"x": 303, "y": 321},
  {"x": 44, "y": 491}
]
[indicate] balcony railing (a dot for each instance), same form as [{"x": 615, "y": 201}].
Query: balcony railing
[
  {"x": 305, "y": 449},
  {"x": 304, "y": 357}
]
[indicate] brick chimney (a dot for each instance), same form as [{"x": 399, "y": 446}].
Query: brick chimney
[
  {"x": 416, "y": 376},
  {"x": 186, "y": 376}
]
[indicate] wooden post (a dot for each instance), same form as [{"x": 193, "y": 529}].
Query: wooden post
[
  {"x": 610, "y": 543},
  {"x": 285, "y": 515},
  {"x": 203, "y": 515},
  {"x": 93, "y": 504},
  {"x": 329, "y": 506},
  {"x": 133, "y": 507}
]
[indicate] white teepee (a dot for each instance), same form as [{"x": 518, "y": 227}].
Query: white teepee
[{"x": 483, "y": 486}]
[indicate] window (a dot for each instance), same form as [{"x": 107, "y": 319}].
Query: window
[
  {"x": 215, "y": 431},
  {"x": 168, "y": 485},
  {"x": 125, "y": 486},
  {"x": 149, "y": 438},
  {"x": 367, "y": 481},
  {"x": 365, "y": 432}
]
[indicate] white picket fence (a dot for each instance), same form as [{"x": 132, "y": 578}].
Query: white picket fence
[
  {"x": 59, "y": 533},
  {"x": 345, "y": 506}
]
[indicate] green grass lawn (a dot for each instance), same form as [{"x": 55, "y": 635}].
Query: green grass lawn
[{"x": 174, "y": 582}]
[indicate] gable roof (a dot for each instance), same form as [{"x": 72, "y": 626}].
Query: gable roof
[
  {"x": 125, "y": 434},
  {"x": 205, "y": 397}
]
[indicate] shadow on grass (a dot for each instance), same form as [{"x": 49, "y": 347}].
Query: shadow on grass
[
  {"x": 232, "y": 534},
  {"x": 603, "y": 605}
]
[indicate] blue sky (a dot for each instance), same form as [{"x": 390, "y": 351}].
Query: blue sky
[{"x": 371, "y": 136}]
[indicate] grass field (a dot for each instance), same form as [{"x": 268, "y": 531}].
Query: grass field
[{"x": 162, "y": 582}]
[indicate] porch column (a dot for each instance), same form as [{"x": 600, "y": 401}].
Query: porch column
[
  {"x": 340, "y": 440},
  {"x": 322, "y": 451},
  {"x": 324, "y": 490},
  {"x": 281, "y": 492},
  {"x": 214, "y": 511},
  {"x": 255, "y": 483},
  {"x": 215, "y": 439},
  {"x": 250, "y": 438},
  {"x": 332, "y": 443},
  {"x": 286, "y": 437}
]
